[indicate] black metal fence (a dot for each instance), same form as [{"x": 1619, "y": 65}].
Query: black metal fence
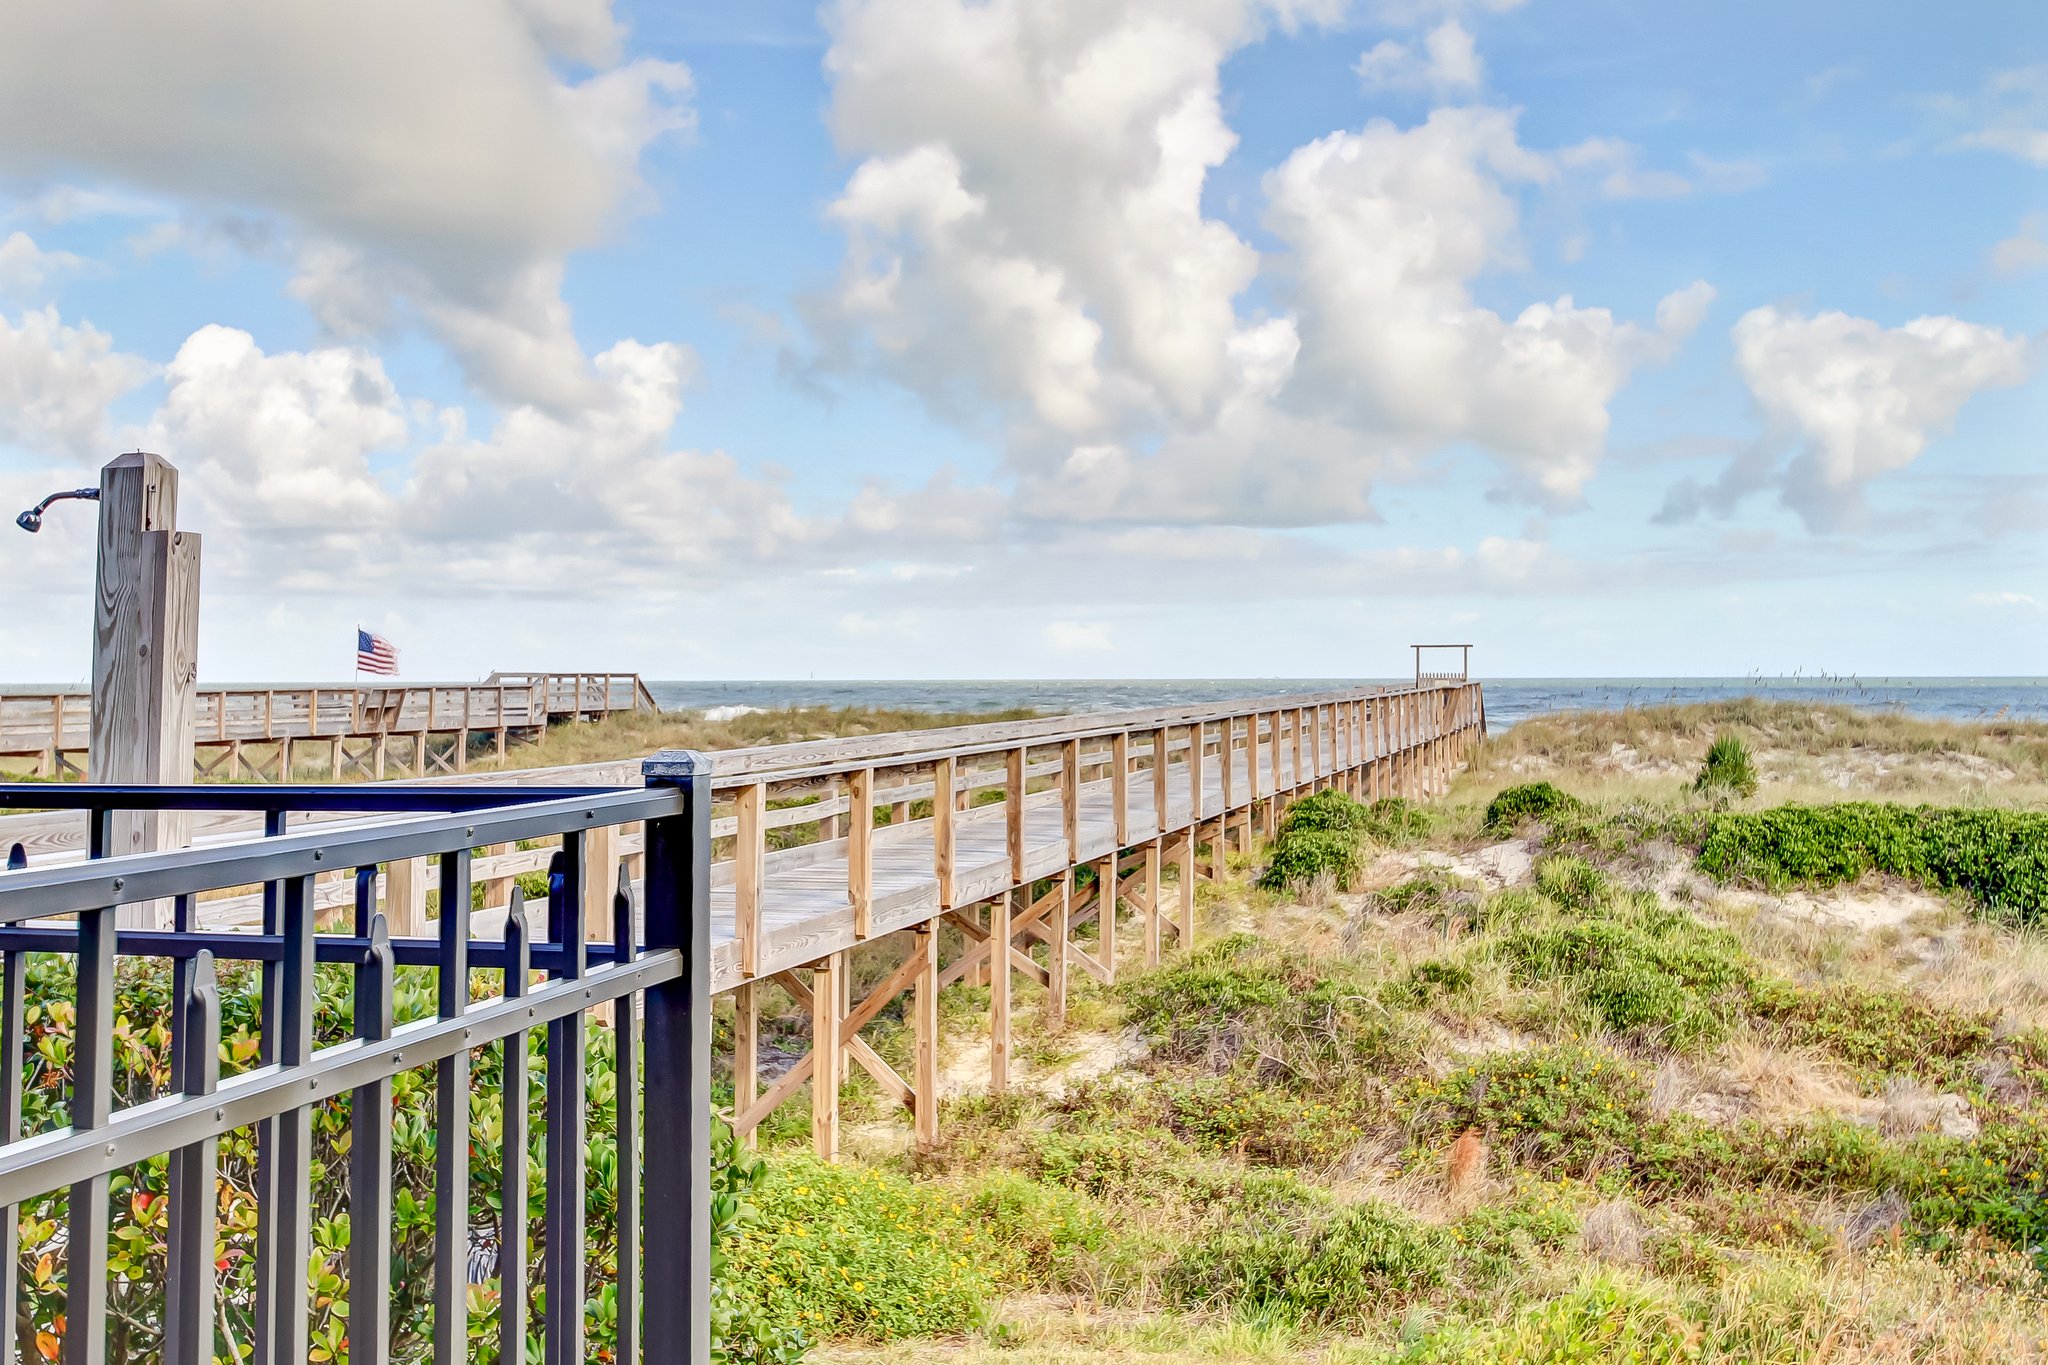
[{"x": 655, "y": 970}]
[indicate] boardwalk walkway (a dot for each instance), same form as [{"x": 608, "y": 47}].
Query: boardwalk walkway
[{"x": 984, "y": 831}]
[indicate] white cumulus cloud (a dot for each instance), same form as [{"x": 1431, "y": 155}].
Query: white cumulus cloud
[
  {"x": 279, "y": 445},
  {"x": 26, "y": 268},
  {"x": 1857, "y": 400},
  {"x": 432, "y": 149},
  {"x": 1446, "y": 63},
  {"x": 2025, "y": 250},
  {"x": 1390, "y": 228},
  {"x": 57, "y": 384},
  {"x": 1027, "y": 249}
]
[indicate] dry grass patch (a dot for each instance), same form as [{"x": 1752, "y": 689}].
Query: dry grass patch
[{"x": 1803, "y": 752}]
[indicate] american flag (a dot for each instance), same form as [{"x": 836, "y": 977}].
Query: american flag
[{"x": 375, "y": 654}]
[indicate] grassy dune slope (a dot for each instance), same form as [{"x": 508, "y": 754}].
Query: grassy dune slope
[{"x": 1544, "y": 1092}]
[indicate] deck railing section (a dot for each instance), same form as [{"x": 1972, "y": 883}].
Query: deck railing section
[
  {"x": 584, "y": 694},
  {"x": 648, "y": 972},
  {"x": 342, "y": 729}
]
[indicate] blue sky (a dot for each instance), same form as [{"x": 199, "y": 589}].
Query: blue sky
[{"x": 1017, "y": 338}]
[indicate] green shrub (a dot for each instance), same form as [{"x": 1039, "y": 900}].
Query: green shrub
[
  {"x": 1432, "y": 891},
  {"x": 1559, "y": 1108},
  {"x": 1998, "y": 857},
  {"x": 1206, "y": 993},
  {"x": 1270, "y": 1124},
  {"x": 1393, "y": 821},
  {"x": 1650, "y": 973},
  {"x": 1620, "y": 831},
  {"x": 1340, "y": 1269},
  {"x": 1996, "y": 1182},
  {"x": 1389, "y": 820},
  {"x": 1499, "y": 1241},
  {"x": 1106, "y": 1162},
  {"x": 1573, "y": 883},
  {"x": 741, "y": 1334},
  {"x": 1299, "y": 858},
  {"x": 1325, "y": 811},
  {"x": 1605, "y": 1319},
  {"x": 859, "y": 1254},
  {"x": 1817, "y": 1156},
  {"x": 1728, "y": 769},
  {"x": 1438, "y": 978},
  {"x": 1043, "y": 1236},
  {"x": 1884, "y": 1033},
  {"x": 1530, "y": 801},
  {"x": 1325, "y": 833},
  {"x": 1243, "y": 1002},
  {"x": 137, "y": 1256}
]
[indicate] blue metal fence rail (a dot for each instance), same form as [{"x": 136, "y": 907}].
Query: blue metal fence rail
[{"x": 659, "y": 977}]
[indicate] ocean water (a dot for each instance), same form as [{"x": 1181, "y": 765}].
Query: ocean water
[{"x": 1507, "y": 699}]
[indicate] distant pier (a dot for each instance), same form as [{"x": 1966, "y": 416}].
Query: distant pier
[{"x": 345, "y": 730}]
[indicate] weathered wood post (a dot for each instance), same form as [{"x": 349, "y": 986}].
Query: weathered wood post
[{"x": 145, "y": 655}]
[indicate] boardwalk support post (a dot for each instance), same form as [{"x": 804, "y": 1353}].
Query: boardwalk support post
[{"x": 925, "y": 1015}]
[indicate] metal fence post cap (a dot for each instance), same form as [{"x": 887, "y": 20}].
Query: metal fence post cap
[{"x": 675, "y": 765}]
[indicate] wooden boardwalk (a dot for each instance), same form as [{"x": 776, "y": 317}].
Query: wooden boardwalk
[
  {"x": 1025, "y": 835},
  {"x": 1006, "y": 837}
]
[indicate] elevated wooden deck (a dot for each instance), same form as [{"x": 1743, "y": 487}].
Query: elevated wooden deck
[{"x": 343, "y": 729}]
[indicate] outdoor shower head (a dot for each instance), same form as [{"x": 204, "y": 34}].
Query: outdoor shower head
[{"x": 31, "y": 521}]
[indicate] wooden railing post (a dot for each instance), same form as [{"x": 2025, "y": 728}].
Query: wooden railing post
[
  {"x": 1070, "y": 797},
  {"x": 1273, "y": 782},
  {"x": 405, "y": 897},
  {"x": 1160, "y": 737},
  {"x": 1185, "y": 870},
  {"x": 746, "y": 1056},
  {"x": 1120, "y": 786},
  {"x": 1195, "y": 775},
  {"x": 1226, "y": 741},
  {"x": 1351, "y": 746},
  {"x": 1409, "y": 787},
  {"x": 944, "y": 772},
  {"x": 1013, "y": 823},
  {"x": 1333, "y": 757},
  {"x": 1315, "y": 748},
  {"x": 860, "y": 848},
  {"x": 749, "y": 871}
]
